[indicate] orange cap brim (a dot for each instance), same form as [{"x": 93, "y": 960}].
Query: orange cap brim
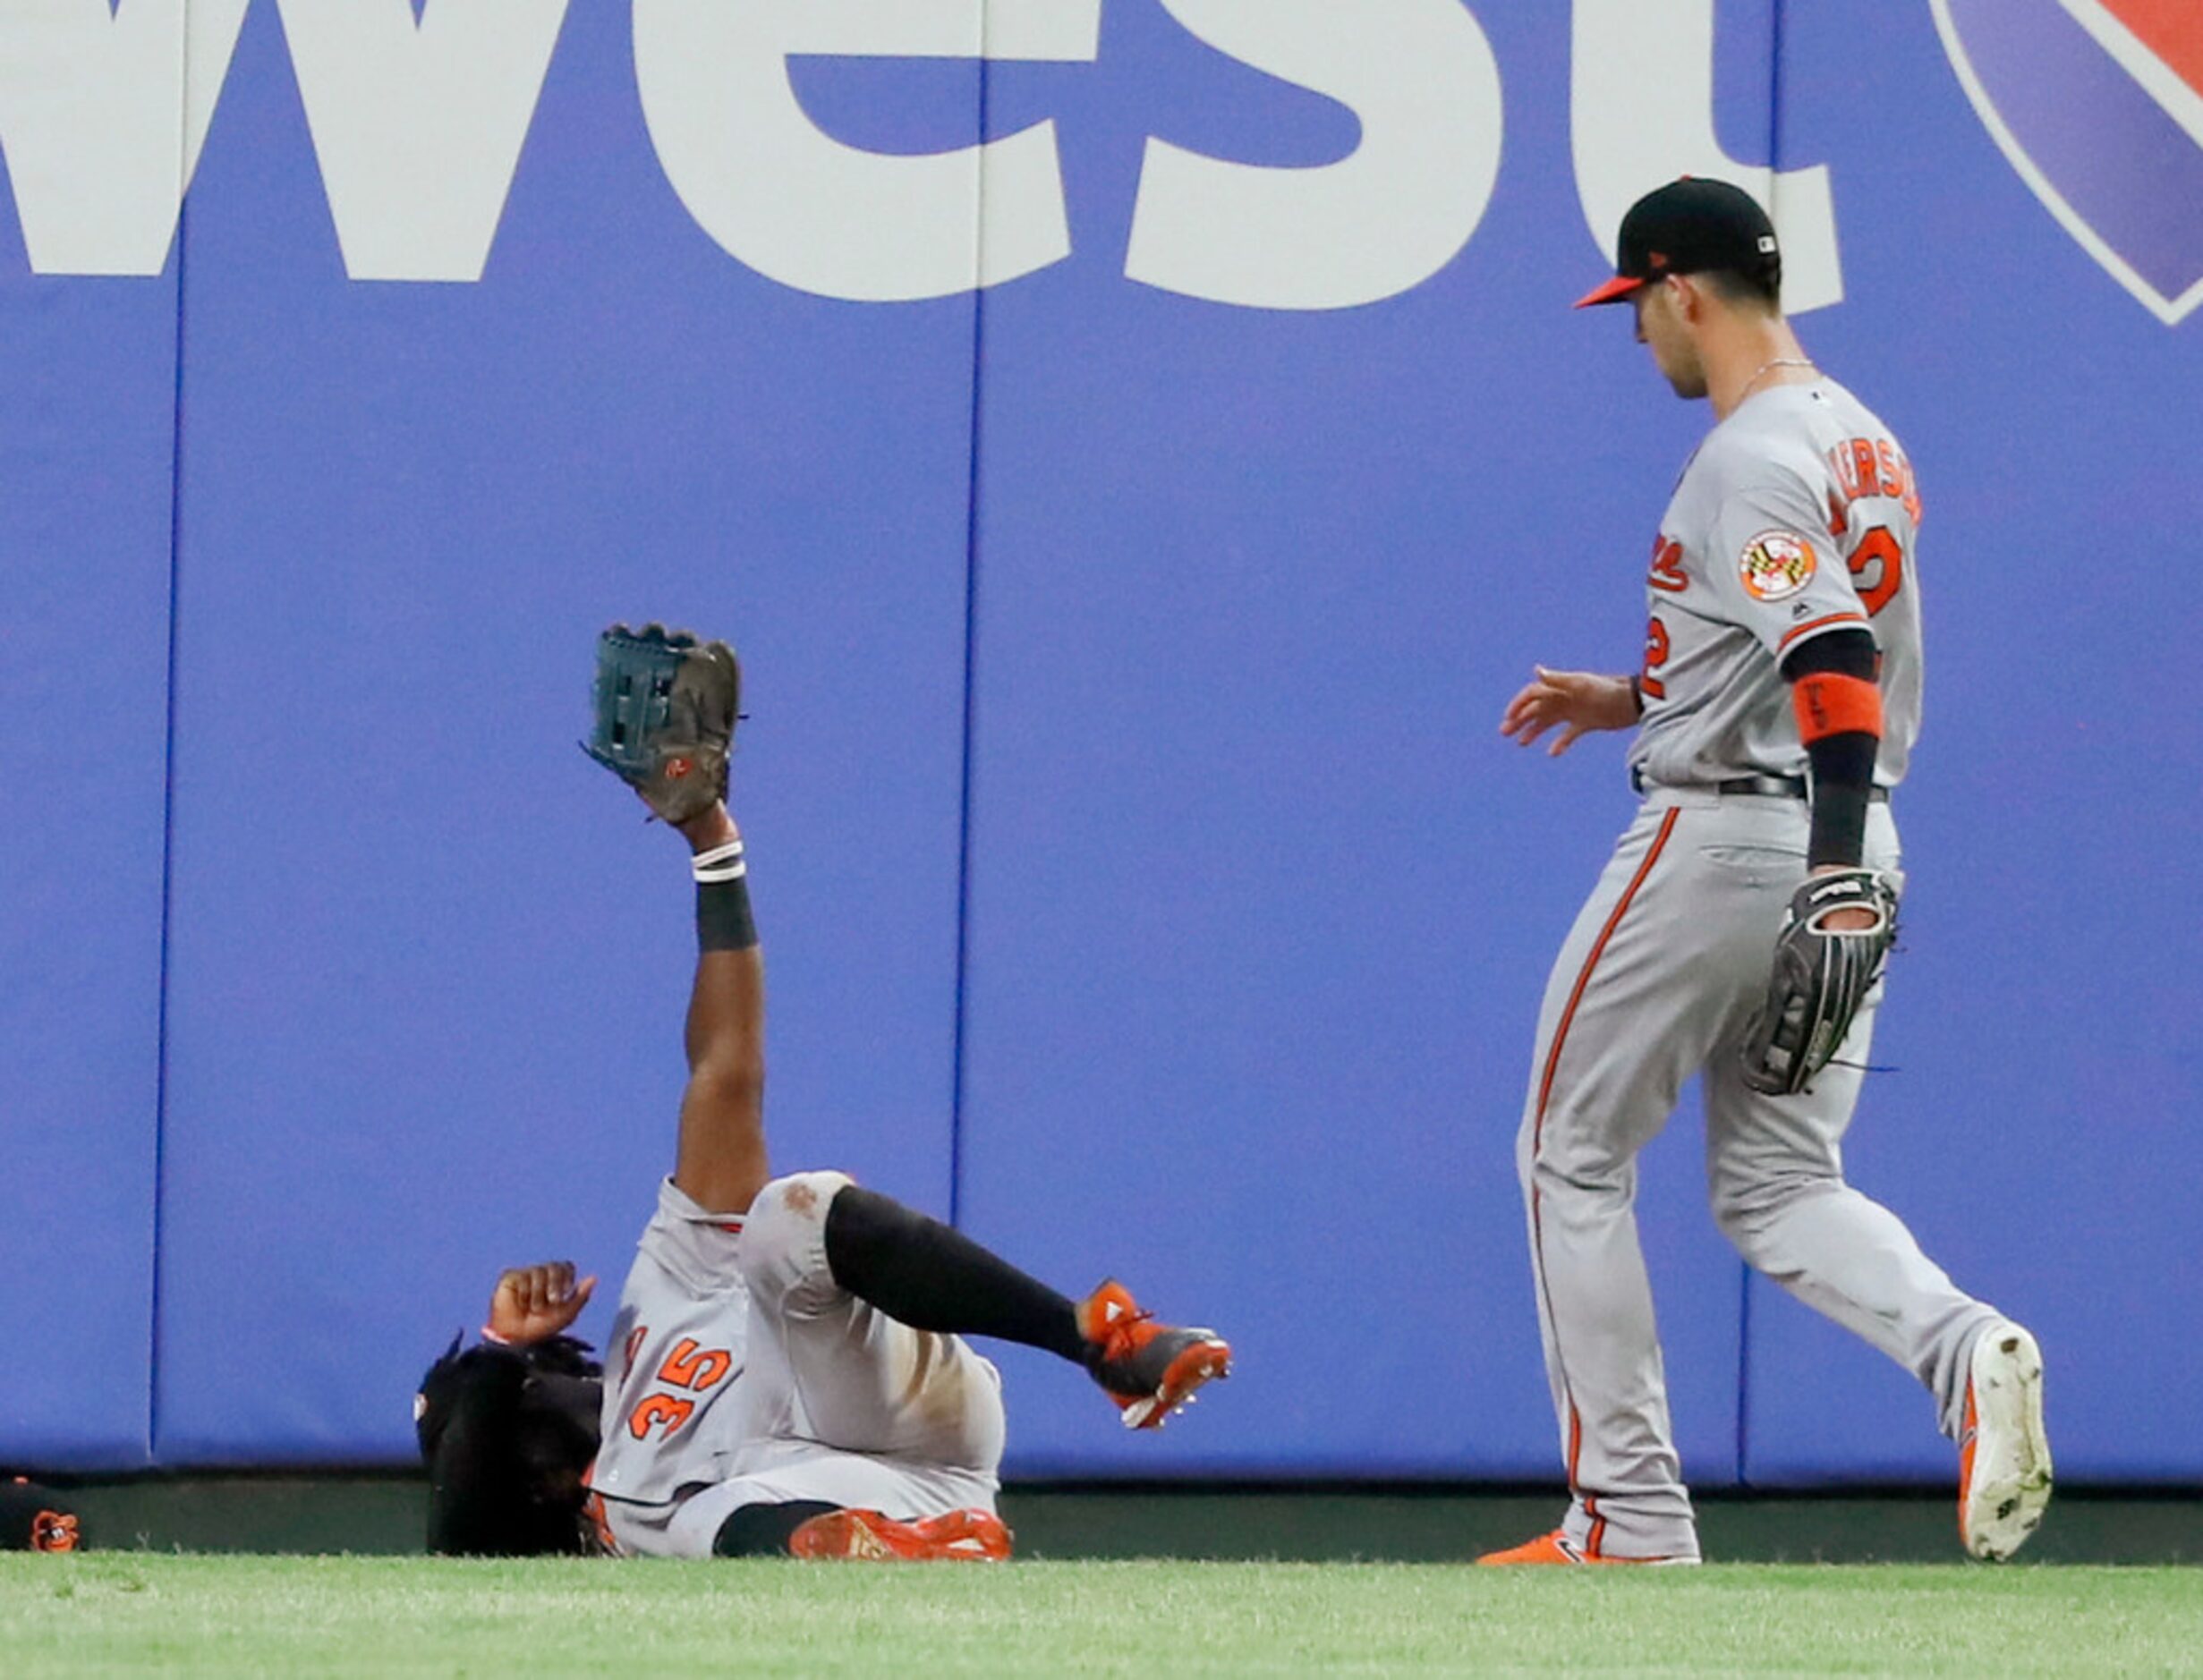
[{"x": 1613, "y": 292}]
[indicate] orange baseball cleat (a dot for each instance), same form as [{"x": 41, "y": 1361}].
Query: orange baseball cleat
[
  {"x": 1556, "y": 1548},
  {"x": 1150, "y": 1369},
  {"x": 966, "y": 1537}
]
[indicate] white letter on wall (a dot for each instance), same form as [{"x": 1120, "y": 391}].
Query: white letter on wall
[
  {"x": 1642, "y": 114},
  {"x": 801, "y": 208},
  {"x": 419, "y": 127},
  {"x": 1420, "y": 76},
  {"x": 102, "y": 116}
]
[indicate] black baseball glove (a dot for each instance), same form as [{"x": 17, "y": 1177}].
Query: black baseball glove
[
  {"x": 1822, "y": 975},
  {"x": 666, "y": 706}
]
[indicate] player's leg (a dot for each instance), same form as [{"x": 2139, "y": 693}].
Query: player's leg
[
  {"x": 869, "y": 1302},
  {"x": 1775, "y": 1174},
  {"x": 1774, "y": 1169},
  {"x": 1626, "y": 1018},
  {"x": 932, "y": 1277},
  {"x": 803, "y": 1500}
]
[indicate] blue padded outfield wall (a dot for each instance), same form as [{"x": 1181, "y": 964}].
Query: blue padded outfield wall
[{"x": 1138, "y": 446}]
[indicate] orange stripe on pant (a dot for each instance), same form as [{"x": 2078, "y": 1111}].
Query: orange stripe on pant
[{"x": 1537, "y": 1138}]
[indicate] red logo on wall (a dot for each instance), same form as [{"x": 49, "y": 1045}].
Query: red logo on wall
[{"x": 2099, "y": 105}]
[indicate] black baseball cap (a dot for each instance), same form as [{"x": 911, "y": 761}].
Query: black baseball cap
[{"x": 1688, "y": 227}]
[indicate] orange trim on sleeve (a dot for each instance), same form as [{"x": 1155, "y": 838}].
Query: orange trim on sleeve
[
  {"x": 1812, "y": 625},
  {"x": 1830, "y": 703}
]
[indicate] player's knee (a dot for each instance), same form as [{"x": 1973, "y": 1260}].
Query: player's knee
[
  {"x": 1733, "y": 1218},
  {"x": 783, "y": 1250},
  {"x": 1747, "y": 1208}
]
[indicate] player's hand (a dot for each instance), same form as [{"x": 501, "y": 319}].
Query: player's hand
[
  {"x": 1856, "y": 920},
  {"x": 535, "y": 1302},
  {"x": 1578, "y": 702}
]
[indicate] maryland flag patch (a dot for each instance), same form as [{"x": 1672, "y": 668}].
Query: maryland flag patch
[{"x": 1776, "y": 564}]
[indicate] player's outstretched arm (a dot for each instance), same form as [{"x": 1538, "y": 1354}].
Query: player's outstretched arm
[
  {"x": 721, "y": 1161},
  {"x": 666, "y": 705},
  {"x": 1576, "y": 702}
]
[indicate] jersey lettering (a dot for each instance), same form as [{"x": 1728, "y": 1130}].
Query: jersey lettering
[
  {"x": 1875, "y": 466},
  {"x": 1667, "y": 566}
]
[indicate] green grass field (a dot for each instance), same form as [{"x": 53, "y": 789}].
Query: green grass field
[{"x": 142, "y": 1613}]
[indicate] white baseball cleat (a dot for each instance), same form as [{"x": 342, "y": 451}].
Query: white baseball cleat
[{"x": 2003, "y": 1456}]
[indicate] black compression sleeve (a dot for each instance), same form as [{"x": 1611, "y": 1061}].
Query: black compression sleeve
[
  {"x": 1842, "y": 776},
  {"x": 1841, "y": 652},
  {"x": 1843, "y": 764},
  {"x": 932, "y": 1278}
]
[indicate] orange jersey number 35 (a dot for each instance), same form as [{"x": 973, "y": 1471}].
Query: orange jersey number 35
[{"x": 690, "y": 1366}]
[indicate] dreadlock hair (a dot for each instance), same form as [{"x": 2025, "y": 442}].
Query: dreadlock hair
[{"x": 508, "y": 1434}]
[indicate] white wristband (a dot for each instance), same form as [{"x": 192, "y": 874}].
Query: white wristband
[{"x": 721, "y": 863}]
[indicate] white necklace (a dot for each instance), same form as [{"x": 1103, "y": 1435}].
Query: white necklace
[{"x": 1767, "y": 368}]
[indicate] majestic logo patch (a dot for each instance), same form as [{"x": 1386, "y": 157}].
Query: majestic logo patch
[
  {"x": 1776, "y": 564},
  {"x": 2099, "y": 105}
]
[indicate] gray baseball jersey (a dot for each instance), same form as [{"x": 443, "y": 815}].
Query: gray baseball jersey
[
  {"x": 1795, "y": 518},
  {"x": 740, "y": 1373}
]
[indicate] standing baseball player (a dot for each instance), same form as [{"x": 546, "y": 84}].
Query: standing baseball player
[
  {"x": 789, "y": 1373},
  {"x": 1739, "y": 931}
]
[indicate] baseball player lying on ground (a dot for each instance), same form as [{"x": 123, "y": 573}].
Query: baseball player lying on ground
[{"x": 788, "y": 1374}]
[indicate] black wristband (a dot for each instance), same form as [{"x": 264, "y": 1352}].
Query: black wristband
[{"x": 723, "y": 919}]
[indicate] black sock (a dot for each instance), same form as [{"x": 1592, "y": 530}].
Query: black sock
[
  {"x": 763, "y": 1531},
  {"x": 932, "y": 1278}
]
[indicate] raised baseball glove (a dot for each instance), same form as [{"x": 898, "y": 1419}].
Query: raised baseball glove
[
  {"x": 666, "y": 706},
  {"x": 1822, "y": 974}
]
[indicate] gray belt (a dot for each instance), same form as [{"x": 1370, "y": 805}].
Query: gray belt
[{"x": 1768, "y": 786}]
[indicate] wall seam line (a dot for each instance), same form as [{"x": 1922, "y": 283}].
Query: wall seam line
[
  {"x": 168, "y": 783},
  {"x": 1776, "y": 11},
  {"x": 971, "y": 629}
]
